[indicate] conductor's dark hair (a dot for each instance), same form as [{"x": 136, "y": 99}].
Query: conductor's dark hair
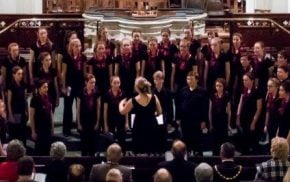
[{"x": 227, "y": 150}]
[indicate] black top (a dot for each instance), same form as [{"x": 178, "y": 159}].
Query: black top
[
  {"x": 110, "y": 48},
  {"x": 153, "y": 63},
  {"x": 261, "y": 71},
  {"x": 216, "y": 68},
  {"x": 8, "y": 63},
  {"x": 192, "y": 106},
  {"x": 234, "y": 58},
  {"x": 56, "y": 171},
  {"x": 194, "y": 46},
  {"x": 37, "y": 49},
  {"x": 75, "y": 71},
  {"x": 139, "y": 50},
  {"x": 219, "y": 110},
  {"x": 165, "y": 98},
  {"x": 113, "y": 105},
  {"x": 49, "y": 77},
  {"x": 228, "y": 171},
  {"x": 101, "y": 72},
  {"x": 284, "y": 118},
  {"x": 42, "y": 115},
  {"x": 88, "y": 109},
  {"x": 249, "y": 107},
  {"x": 180, "y": 170},
  {"x": 183, "y": 65},
  {"x": 18, "y": 100}
]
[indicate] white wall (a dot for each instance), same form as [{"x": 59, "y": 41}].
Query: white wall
[
  {"x": 20, "y": 6},
  {"x": 276, "y": 6}
]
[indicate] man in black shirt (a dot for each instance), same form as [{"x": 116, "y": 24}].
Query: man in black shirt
[{"x": 192, "y": 112}]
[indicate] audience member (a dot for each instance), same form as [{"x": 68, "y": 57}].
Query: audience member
[
  {"x": 162, "y": 175},
  {"x": 179, "y": 168},
  {"x": 25, "y": 169},
  {"x": 57, "y": 169},
  {"x": 76, "y": 173},
  {"x": 203, "y": 173},
  {"x": 114, "y": 154},
  {"x": 227, "y": 170},
  {"x": 114, "y": 175},
  {"x": 275, "y": 168},
  {"x": 8, "y": 169}
]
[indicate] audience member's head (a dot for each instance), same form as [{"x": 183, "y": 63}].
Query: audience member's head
[
  {"x": 25, "y": 166},
  {"x": 203, "y": 173},
  {"x": 76, "y": 173},
  {"x": 178, "y": 149},
  {"x": 114, "y": 175},
  {"x": 227, "y": 151},
  {"x": 58, "y": 150},
  {"x": 15, "y": 150},
  {"x": 279, "y": 148},
  {"x": 162, "y": 175},
  {"x": 114, "y": 153}
]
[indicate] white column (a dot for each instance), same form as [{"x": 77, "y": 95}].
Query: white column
[
  {"x": 281, "y": 6},
  {"x": 250, "y": 6}
]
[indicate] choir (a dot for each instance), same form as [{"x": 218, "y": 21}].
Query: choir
[{"x": 198, "y": 90}]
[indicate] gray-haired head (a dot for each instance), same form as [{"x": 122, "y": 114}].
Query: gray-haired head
[
  {"x": 58, "y": 150},
  {"x": 162, "y": 175},
  {"x": 203, "y": 173},
  {"x": 15, "y": 150}
]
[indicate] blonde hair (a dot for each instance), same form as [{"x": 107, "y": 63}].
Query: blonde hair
[
  {"x": 279, "y": 148},
  {"x": 143, "y": 85},
  {"x": 158, "y": 75},
  {"x": 72, "y": 43}
]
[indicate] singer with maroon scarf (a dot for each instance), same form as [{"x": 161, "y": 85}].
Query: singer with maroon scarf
[
  {"x": 110, "y": 47},
  {"x": 153, "y": 62},
  {"x": 139, "y": 50},
  {"x": 167, "y": 49},
  {"x": 248, "y": 114},
  {"x": 127, "y": 67},
  {"x": 216, "y": 65},
  {"x": 88, "y": 115},
  {"x": 41, "y": 119},
  {"x": 101, "y": 65},
  {"x": 183, "y": 63},
  {"x": 284, "y": 110},
  {"x": 73, "y": 70},
  {"x": 43, "y": 44}
]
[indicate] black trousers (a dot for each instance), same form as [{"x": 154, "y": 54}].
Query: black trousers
[
  {"x": 17, "y": 131},
  {"x": 42, "y": 144},
  {"x": 118, "y": 129},
  {"x": 68, "y": 114},
  {"x": 88, "y": 142}
]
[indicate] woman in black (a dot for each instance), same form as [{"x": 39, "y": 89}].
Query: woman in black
[
  {"x": 110, "y": 46},
  {"x": 47, "y": 73},
  {"x": 167, "y": 49},
  {"x": 13, "y": 59},
  {"x": 139, "y": 50},
  {"x": 261, "y": 65},
  {"x": 181, "y": 65},
  {"x": 283, "y": 73},
  {"x": 272, "y": 103},
  {"x": 144, "y": 105},
  {"x": 284, "y": 110},
  {"x": 17, "y": 106},
  {"x": 88, "y": 115},
  {"x": 216, "y": 65},
  {"x": 63, "y": 50},
  {"x": 114, "y": 122},
  {"x": 248, "y": 115},
  {"x": 101, "y": 65},
  {"x": 153, "y": 62},
  {"x": 219, "y": 114},
  {"x": 127, "y": 67},
  {"x": 43, "y": 44},
  {"x": 73, "y": 70},
  {"x": 41, "y": 119},
  {"x": 282, "y": 60}
]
